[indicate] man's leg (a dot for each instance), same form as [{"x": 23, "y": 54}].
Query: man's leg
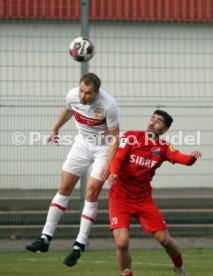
[
  {"x": 93, "y": 190},
  {"x": 172, "y": 249},
  {"x": 56, "y": 211},
  {"x": 121, "y": 236}
]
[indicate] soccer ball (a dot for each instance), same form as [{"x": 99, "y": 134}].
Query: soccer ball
[{"x": 82, "y": 49}]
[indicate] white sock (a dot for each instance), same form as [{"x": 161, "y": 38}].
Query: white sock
[
  {"x": 87, "y": 219},
  {"x": 126, "y": 271},
  {"x": 43, "y": 236},
  {"x": 56, "y": 211}
]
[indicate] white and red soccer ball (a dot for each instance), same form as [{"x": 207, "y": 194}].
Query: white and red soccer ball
[{"x": 82, "y": 49}]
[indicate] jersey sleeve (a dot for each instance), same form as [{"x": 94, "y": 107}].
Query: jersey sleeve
[
  {"x": 112, "y": 116},
  {"x": 123, "y": 150},
  {"x": 175, "y": 156},
  {"x": 69, "y": 99}
]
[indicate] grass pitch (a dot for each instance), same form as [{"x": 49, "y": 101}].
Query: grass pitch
[{"x": 102, "y": 263}]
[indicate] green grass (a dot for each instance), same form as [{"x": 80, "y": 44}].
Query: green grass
[{"x": 102, "y": 263}]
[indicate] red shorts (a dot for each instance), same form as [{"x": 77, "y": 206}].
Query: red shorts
[{"x": 145, "y": 212}]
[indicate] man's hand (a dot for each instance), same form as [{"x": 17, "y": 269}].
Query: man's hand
[
  {"x": 112, "y": 179},
  {"x": 53, "y": 137},
  {"x": 63, "y": 118},
  {"x": 114, "y": 133},
  {"x": 196, "y": 154}
]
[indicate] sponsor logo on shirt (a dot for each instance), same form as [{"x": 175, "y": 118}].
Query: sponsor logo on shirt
[
  {"x": 142, "y": 161},
  {"x": 97, "y": 113},
  {"x": 156, "y": 151},
  {"x": 88, "y": 121},
  {"x": 123, "y": 142}
]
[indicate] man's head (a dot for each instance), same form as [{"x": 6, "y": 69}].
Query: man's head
[
  {"x": 88, "y": 88},
  {"x": 159, "y": 123}
]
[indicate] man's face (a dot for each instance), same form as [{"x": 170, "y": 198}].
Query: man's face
[
  {"x": 87, "y": 93},
  {"x": 156, "y": 125}
]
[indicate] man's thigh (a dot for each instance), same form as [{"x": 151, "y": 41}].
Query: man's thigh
[
  {"x": 120, "y": 214},
  {"x": 78, "y": 159},
  {"x": 100, "y": 156},
  {"x": 150, "y": 217},
  {"x": 67, "y": 184}
]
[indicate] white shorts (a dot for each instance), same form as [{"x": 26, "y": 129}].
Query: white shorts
[{"x": 83, "y": 155}]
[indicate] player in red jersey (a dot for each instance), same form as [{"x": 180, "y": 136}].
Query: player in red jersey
[{"x": 140, "y": 153}]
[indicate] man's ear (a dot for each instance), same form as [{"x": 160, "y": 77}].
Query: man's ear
[{"x": 165, "y": 129}]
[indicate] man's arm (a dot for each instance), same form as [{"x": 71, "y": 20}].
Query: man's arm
[
  {"x": 63, "y": 118},
  {"x": 120, "y": 156},
  {"x": 112, "y": 151},
  {"x": 115, "y": 166},
  {"x": 184, "y": 159}
]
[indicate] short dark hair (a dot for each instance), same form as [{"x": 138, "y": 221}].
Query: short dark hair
[
  {"x": 91, "y": 78},
  {"x": 167, "y": 118}
]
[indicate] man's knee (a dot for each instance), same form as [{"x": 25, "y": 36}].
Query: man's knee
[
  {"x": 67, "y": 183},
  {"x": 122, "y": 244},
  {"x": 163, "y": 238},
  {"x": 92, "y": 194},
  {"x": 121, "y": 236},
  {"x": 93, "y": 190},
  {"x": 64, "y": 190}
]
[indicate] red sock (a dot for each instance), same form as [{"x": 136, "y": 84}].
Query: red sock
[
  {"x": 177, "y": 261},
  {"x": 129, "y": 274}
]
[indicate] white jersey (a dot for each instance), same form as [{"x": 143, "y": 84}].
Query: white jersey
[{"x": 96, "y": 118}]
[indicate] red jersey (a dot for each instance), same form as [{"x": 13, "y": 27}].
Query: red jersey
[{"x": 135, "y": 163}]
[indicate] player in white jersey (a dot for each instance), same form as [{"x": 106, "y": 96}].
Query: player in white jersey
[{"x": 97, "y": 120}]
